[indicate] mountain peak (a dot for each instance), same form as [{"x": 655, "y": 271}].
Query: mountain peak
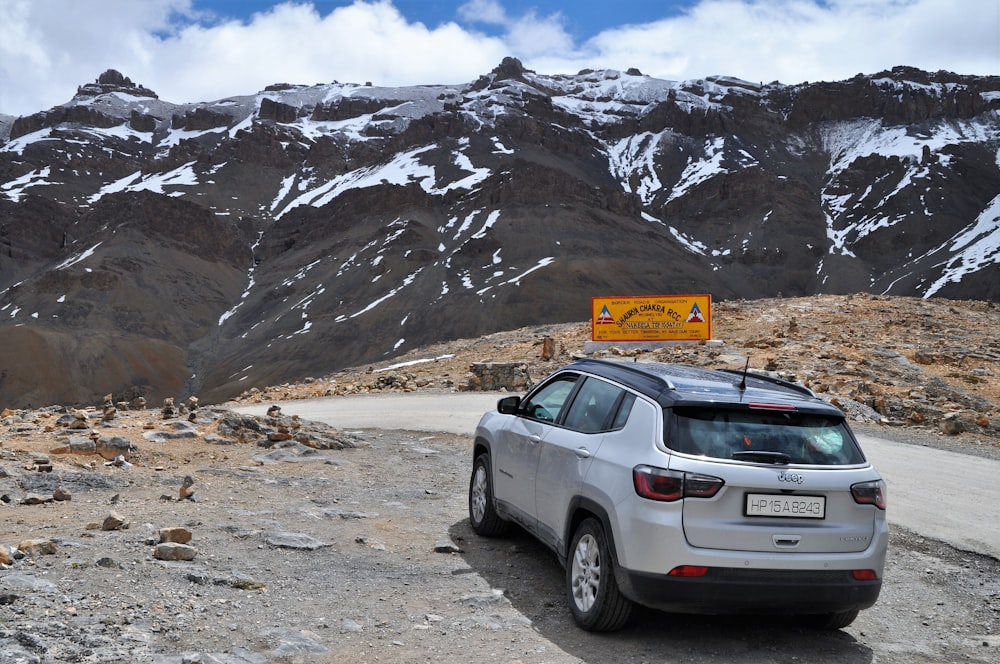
[
  {"x": 510, "y": 67},
  {"x": 113, "y": 80}
]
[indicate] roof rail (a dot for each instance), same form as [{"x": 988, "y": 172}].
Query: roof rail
[
  {"x": 638, "y": 372},
  {"x": 801, "y": 389}
]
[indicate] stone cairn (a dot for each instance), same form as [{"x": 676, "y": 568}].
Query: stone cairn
[
  {"x": 169, "y": 410},
  {"x": 80, "y": 420},
  {"x": 109, "y": 409},
  {"x": 187, "y": 488}
]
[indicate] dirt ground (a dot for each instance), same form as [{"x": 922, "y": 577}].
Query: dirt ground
[{"x": 356, "y": 546}]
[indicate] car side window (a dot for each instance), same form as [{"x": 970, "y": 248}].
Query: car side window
[
  {"x": 621, "y": 417},
  {"x": 594, "y": 406},
  {"x": 547, "y": 402}
]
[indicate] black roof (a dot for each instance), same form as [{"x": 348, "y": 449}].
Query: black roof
[{"x": 673, "y": 384}]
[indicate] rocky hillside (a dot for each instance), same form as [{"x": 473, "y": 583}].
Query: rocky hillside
[{"x": 169, "y": 249}]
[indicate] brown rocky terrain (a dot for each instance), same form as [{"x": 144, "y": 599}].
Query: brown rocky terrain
[{"x": 196, "y": 534}]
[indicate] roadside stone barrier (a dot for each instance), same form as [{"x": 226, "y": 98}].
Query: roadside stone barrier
[{"x": 499, "y": 376}]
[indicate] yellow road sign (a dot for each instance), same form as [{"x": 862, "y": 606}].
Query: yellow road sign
[{"x": 655, "y": 318}]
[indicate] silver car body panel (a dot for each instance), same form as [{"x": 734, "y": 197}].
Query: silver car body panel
[
  {"x": 515, "y": 453},
  {"x": 563, "y": 464},
  {"x": 719, "y": 522}
]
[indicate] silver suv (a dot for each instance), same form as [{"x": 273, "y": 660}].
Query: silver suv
[{"x": 687, "y": 490}]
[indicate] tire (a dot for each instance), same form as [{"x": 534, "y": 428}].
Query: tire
[
  {"x": 591, "y": 589},
  {"x": 832, "y": 621},
  {"x": 482, "y": 513}
]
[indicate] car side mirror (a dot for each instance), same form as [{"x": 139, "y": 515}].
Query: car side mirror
[{"x": 509, "y": 405}]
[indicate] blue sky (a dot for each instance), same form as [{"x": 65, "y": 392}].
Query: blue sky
[
  {"x": 582, "y": 19},
  {"x": 203, "y": 50}
]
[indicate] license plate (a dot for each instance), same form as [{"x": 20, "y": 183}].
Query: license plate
[{"x": 798, "y": 507}]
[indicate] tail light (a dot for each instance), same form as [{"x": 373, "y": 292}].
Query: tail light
[
  {"x": 870, "y": 493},
  {"x": 688, "y": 571},
  {"x": 669, "y": 486}
]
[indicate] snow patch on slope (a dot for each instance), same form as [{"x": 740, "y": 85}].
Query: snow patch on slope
[{"x": 974, "y": 249}]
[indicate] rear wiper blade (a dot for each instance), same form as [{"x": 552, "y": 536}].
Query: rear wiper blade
[{"x": 761, "y": 456}]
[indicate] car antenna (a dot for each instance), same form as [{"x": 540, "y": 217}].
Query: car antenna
[{"x": 743, "y": 383}]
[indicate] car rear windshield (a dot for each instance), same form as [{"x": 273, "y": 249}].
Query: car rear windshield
[{"x": 762, "y": 436}]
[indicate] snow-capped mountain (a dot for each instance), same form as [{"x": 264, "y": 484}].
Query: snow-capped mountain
[{"x": 206, "y": 248}]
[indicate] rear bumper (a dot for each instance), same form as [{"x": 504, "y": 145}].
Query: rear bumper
[{"x": 733, "y": 591}]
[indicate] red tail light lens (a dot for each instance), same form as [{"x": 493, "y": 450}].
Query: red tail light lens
[
  {"x": 658, "y": 484},
  {"x": 688, "y": 571},
  {"x": 864, "y": 575},
  {"x": 870, "y": 493},
  {"x": 701, "y": 486},
  {"x": 669, "y": 486}
]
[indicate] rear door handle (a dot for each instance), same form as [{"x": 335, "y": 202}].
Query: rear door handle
[
  {"x": 583, "y": 452},
  {"x": 786, "y": 541}
]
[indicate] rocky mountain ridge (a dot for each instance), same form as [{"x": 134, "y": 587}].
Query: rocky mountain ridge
[{"x": 166, "y": 249}]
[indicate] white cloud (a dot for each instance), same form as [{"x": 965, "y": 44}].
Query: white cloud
[
  {"x": 49, "y": 47},
  {"x": 293, "y": 44},
  {"x": 802, "y": 40},
  {"x": 483, "y": 11},
  {"x": 526, "y": 35}
]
